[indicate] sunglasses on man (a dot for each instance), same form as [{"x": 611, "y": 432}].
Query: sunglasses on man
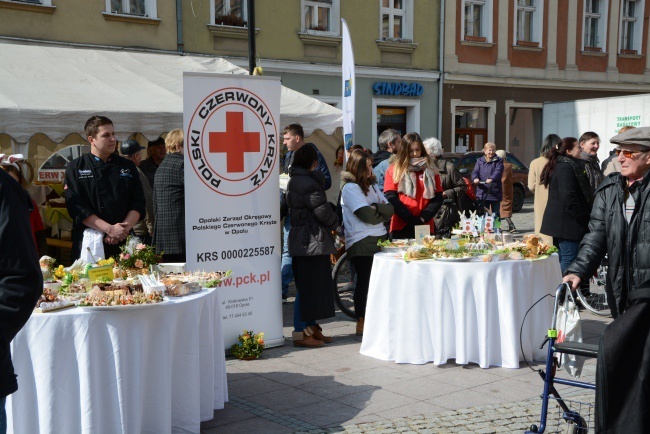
[{"x": 627, "y": 153}]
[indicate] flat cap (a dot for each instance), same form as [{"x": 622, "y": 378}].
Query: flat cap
[{"x": 636, "y": 136}]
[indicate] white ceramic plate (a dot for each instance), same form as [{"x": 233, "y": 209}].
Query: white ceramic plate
[{"x": 465, "y": 259}]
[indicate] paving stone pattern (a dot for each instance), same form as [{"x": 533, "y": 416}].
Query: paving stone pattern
[{"x": 334, "y": 389}]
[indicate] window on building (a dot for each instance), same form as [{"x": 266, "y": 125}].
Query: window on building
[
  {"x": 528, "y": 30},
  {"x": 396, "y": 19},
  {"x": 595, "y": 25},
  {"x": 229, "y": 12},
  {"x": 130, "y": 7},
  {"x": 321, "y": 16},
  {"x": 477, "y": 24},
  {"x": 631, "y": 26}
]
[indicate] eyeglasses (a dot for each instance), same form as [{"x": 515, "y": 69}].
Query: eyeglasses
[{"x": 627, "y": 153}]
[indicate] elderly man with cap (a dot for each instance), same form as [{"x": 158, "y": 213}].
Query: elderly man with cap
[
  {"x": 130, "y": 149},
  {"x": 619, "y": 226},
  {"x": 156, "y": 151}
]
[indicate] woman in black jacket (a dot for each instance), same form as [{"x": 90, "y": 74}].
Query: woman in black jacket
[
  {"x": 569, "y": 199},
  {"x": 310, "y": 244}
]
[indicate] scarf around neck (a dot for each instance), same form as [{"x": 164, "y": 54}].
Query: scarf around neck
[{"x": 407, "y": 185}]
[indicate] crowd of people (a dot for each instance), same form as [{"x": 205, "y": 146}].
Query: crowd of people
[
  {"x": 584, "y": 208},
  {"x": 405, "y": 184}
]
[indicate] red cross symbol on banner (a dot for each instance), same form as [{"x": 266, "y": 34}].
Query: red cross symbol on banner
[{"x": 234, "y": 142}]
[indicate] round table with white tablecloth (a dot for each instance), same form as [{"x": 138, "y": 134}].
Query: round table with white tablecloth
[
  {"x": 151, "y": 369},
  {"x": 433, "y": 311}
]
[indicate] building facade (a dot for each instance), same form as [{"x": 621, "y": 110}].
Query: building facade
[
  {"x": 396, "y": 48},
  {"x": 504, "y": 59},
  {"x": 396, "y": 45}
]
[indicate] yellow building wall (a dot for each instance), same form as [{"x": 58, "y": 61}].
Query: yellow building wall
[
  {"x": 81, "y": 21},
  {"x": 279, "y": 24}
]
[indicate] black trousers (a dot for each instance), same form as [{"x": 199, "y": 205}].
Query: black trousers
[{"x": 363, "y": 266}]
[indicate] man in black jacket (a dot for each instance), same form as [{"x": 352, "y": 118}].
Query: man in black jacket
[
  {"x": 620, "y": 227},
  {"x": 21, "y": 281},
  {"x": 103, "y": 190}
]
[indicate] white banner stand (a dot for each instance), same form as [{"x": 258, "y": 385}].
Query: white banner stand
[{"x": 232, "y": 201}]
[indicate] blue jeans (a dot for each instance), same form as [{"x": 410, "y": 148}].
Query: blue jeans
[
  {"x": 3, "y": 415},
  {"x": 287, "y": 272},
  {"x": 568, "y": 250},
  {"x": 298, "y": 324}
]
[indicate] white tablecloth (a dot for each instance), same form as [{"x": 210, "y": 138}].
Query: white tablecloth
[
  {"x": 157, "y": 369},
  {"x": 432, "y": 311}
]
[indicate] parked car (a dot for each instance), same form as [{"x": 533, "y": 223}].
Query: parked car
[{"x": 465, "y": 164}]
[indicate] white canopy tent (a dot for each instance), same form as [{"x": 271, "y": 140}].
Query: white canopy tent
[{"x": 53, "y": 89}]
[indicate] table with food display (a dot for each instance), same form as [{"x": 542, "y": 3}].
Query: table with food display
[
  {"x": 129, "y": 355},
  {"x": 438, "y": 301}
]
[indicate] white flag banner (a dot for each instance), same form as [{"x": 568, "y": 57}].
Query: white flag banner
[
  {"x": 232, "y": 207},
  {"x": 348, "y": 90}
]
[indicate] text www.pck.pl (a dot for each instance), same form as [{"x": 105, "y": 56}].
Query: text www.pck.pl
[{"x": 252, "y": 278}]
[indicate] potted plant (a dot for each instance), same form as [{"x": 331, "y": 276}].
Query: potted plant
[
  {"x": 249, "y": 346},
  {"x": 230, "y": 20}
]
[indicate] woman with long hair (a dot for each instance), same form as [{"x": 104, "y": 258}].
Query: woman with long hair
[
  {"x": 413, "y": 186},
  {"x": 310, "y": 244},
  {"x": 589, "y": 143},
  {"x": 365, "y": 209},
  {"x": 569, "y": 199},
  {"x": 540, "y": 191},
  {"x": 486, "y": 176}
]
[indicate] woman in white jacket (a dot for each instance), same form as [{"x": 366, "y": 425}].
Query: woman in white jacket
[{"x": 365, "y": 209}]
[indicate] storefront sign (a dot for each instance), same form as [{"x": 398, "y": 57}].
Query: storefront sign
[
  {"x": 232, "y": 196},
  {"x": 397, "y": 89}
]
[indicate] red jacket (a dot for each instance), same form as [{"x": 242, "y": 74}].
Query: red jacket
[{"x": 414, "y": 205}]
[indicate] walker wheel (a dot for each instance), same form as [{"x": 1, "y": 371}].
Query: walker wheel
[{"x": 533, "y": 428}]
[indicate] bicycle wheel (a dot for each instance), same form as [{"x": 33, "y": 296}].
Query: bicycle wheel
[
  {"x": 594, "y": 299},
  {"x": 344, "y": 283}
]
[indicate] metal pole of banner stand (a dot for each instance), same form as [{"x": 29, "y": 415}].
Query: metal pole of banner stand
[{"x": 250, "y": 5}]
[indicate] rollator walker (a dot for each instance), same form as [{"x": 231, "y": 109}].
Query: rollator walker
[{"x": 577, "y": 415}]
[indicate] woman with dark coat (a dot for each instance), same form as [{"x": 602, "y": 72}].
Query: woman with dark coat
[
  {"x": 21, "y": 281},
  {"x": 310, "y": 244},
  {"x": 487, "y": 178},
  {"x": 569, "y": 199},
  {"x": 169, "y": 201},
  {"x": 453, "y": 186},
  {"x": 589, "y": 144}
]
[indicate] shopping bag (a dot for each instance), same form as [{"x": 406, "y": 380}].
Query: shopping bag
[
  {"x": 570, "y": 330},
  {"x": 446, "y": 218}
]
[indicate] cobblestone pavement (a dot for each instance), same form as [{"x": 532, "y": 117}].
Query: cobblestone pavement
[{"x": 334, "y": 389}]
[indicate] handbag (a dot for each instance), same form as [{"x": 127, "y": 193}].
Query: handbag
[
  {"x": 446, "y": 217},
  {"x": 570, "y": 330}
]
